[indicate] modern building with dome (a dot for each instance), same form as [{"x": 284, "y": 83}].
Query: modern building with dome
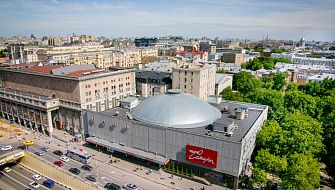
[{"x": 213, "y": 140}]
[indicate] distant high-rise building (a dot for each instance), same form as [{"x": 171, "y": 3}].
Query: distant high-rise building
[
  {"x": 32, "y": 36},
  {"x": 301, "y": 43},
  {"x": 145, "y": 42}
]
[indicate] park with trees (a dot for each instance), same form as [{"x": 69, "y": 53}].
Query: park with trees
[{"x": 299, "y": 135}]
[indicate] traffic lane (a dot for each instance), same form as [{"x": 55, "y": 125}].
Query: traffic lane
[
  {"x": 110, "y": 173},
  {"x": 11, "y": 183},
  {"x": 51, "y": 157},
  {"x": 27, "y": 174}
]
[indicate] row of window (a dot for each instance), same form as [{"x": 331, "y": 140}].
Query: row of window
[{"x": 186, "y": 72}]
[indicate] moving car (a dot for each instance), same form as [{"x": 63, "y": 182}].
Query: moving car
[
  {"x": 22, "y": 147},
  {"x": 58, "y": 152},
  {"x": 37, "y": 177},
  {"x": 6, "y": 147},
  {"x": 112, "y": 186},
  {"x": 74, "y": 171},
  {"x": 34, "y": 184},
  {"x": 86, "y": 167},
  {"x": 49, "y": 183},
  {"x": 46, "y": 149},
  {"x": 92, "y": 178},
  {"x": 65, "y": 159},
  {"x": 59, "y": 163},
  {"x": 39, "y": 153},
  {"x": 130, "y": 186},
  {"x": 28, "y": 142},
  {"x": 7, "y": 169}
]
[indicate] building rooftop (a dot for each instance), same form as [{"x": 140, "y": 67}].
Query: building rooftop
[
  {"x": 220, "y": 77},
  {"x": 243, "y": 126},
  {"x": 175, "y": 109},
  {"x": 42, "y": 69},
  {"x": 154, "y": 77}
]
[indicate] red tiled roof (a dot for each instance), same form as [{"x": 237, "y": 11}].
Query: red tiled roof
[
  {"x": 23, "y": 65},
  {"x": 42, "y": 69},
  {"x": 81, "y": 72}
]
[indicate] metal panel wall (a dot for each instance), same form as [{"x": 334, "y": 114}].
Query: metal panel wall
[{"x": 163, "y": 141}]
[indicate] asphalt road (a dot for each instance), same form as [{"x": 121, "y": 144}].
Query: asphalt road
[
  {"x": 20, "y": 178},
  {"x": 105, "y": 172},
  {"x": 103, "y": 177}
]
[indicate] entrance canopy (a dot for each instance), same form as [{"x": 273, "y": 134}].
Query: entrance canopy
[{"x": 129, "y": 151}]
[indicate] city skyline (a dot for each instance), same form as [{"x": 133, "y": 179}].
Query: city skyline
[{"x": 191, "y": 18}]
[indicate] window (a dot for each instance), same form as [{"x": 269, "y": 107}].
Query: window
[
  {"x": 185, "y": 79},
  {"x": 185, "y": 72},
  {"x": 192, "y": 73},
  {"x": 185, "y": 86}
]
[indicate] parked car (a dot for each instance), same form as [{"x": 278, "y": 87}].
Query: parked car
[
  {"x": 39, "y": 153},
  {"x": 46, "y": 149},
  {"x": 74, "y": 171},
  {"x": 86, "y": 167},
  {"x": 65, "y": 159},
  {"x": 6, "y": 147},
  {"x": 58, "y": 152},
  {"x": 92, "y": 178},
  {"x": 112, "y": 186},
  {"x": 130, "y": 186},
  {"x": 34, "y": 184},
  {"x": 59, "y": 163},
  {"x": 7, "y": 169},
  {"x": 49, "y": 183},
  {"x": 37, "y": 177}
]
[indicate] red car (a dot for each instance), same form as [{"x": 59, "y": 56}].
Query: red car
[{"x": 59, "y": 163}]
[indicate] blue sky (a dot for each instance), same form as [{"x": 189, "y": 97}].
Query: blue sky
[{"x": 253, "y": 19}]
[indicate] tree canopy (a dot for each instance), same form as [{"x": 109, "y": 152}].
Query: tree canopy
[
  {"x": 300, "y": 130},
  {"x": 267, "y": 63}
]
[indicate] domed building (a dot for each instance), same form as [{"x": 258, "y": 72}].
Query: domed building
[
  {"x": 212, "y": 139},
  {"x": 176, "y": 110}
]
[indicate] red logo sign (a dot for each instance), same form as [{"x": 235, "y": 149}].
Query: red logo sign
[{"x": 202, "y": 156}]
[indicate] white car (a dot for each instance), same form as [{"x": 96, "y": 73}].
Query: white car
[
  {"x": 34, "y": 184},
  {"x": 65, "y": 159},
  {"x": 6, "y": 147},
  {"x": 7, "y": 169},
  {"x": 130, "y": 186},
  {"x": 36, "y": 177}
]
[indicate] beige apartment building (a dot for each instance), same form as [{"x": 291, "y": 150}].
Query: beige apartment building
[
  {"x": 128, "y": 57},
  {"x": 196, "y": 79},
  {"x": 48, "y": 97},
  {"x": 233, "y": 58}
]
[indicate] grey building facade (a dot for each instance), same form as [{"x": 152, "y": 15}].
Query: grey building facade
[{"x": 232, "y": 139}]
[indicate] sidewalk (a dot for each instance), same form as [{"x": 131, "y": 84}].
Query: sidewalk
[{"x": 160, "y": 177}]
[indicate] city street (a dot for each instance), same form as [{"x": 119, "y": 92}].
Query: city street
[
  {"x": 20, "y": 178},
  {"x": 119, "y": 173}
]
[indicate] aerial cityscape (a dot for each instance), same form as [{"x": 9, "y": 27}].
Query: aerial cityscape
[{"x": 167, "y": 95}]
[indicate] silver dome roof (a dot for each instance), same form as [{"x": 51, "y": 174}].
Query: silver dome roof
[{"x": 177, "y": 110}]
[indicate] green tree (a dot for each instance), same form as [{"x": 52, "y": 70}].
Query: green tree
[
  {"x": 302, "y": 133},
  {"x": 244, "y": 82},
  {"x": 303, "y": 173},
  {"x": 279, "y": 80},
  {"x": 270, "y": 163},
  {"x": 228, "y": 94},
  {"x": 272, "y": 98},
  {"x": 306, "y": 104},
  {"x": 259, "y": 177},
  {"x": 267, "y": 82}
]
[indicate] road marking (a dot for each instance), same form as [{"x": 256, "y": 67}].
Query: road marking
[
  {"x": 16, "y": 181},
  {"x": 53, "y": 158},
  {"x": 28, "y": 179}
]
